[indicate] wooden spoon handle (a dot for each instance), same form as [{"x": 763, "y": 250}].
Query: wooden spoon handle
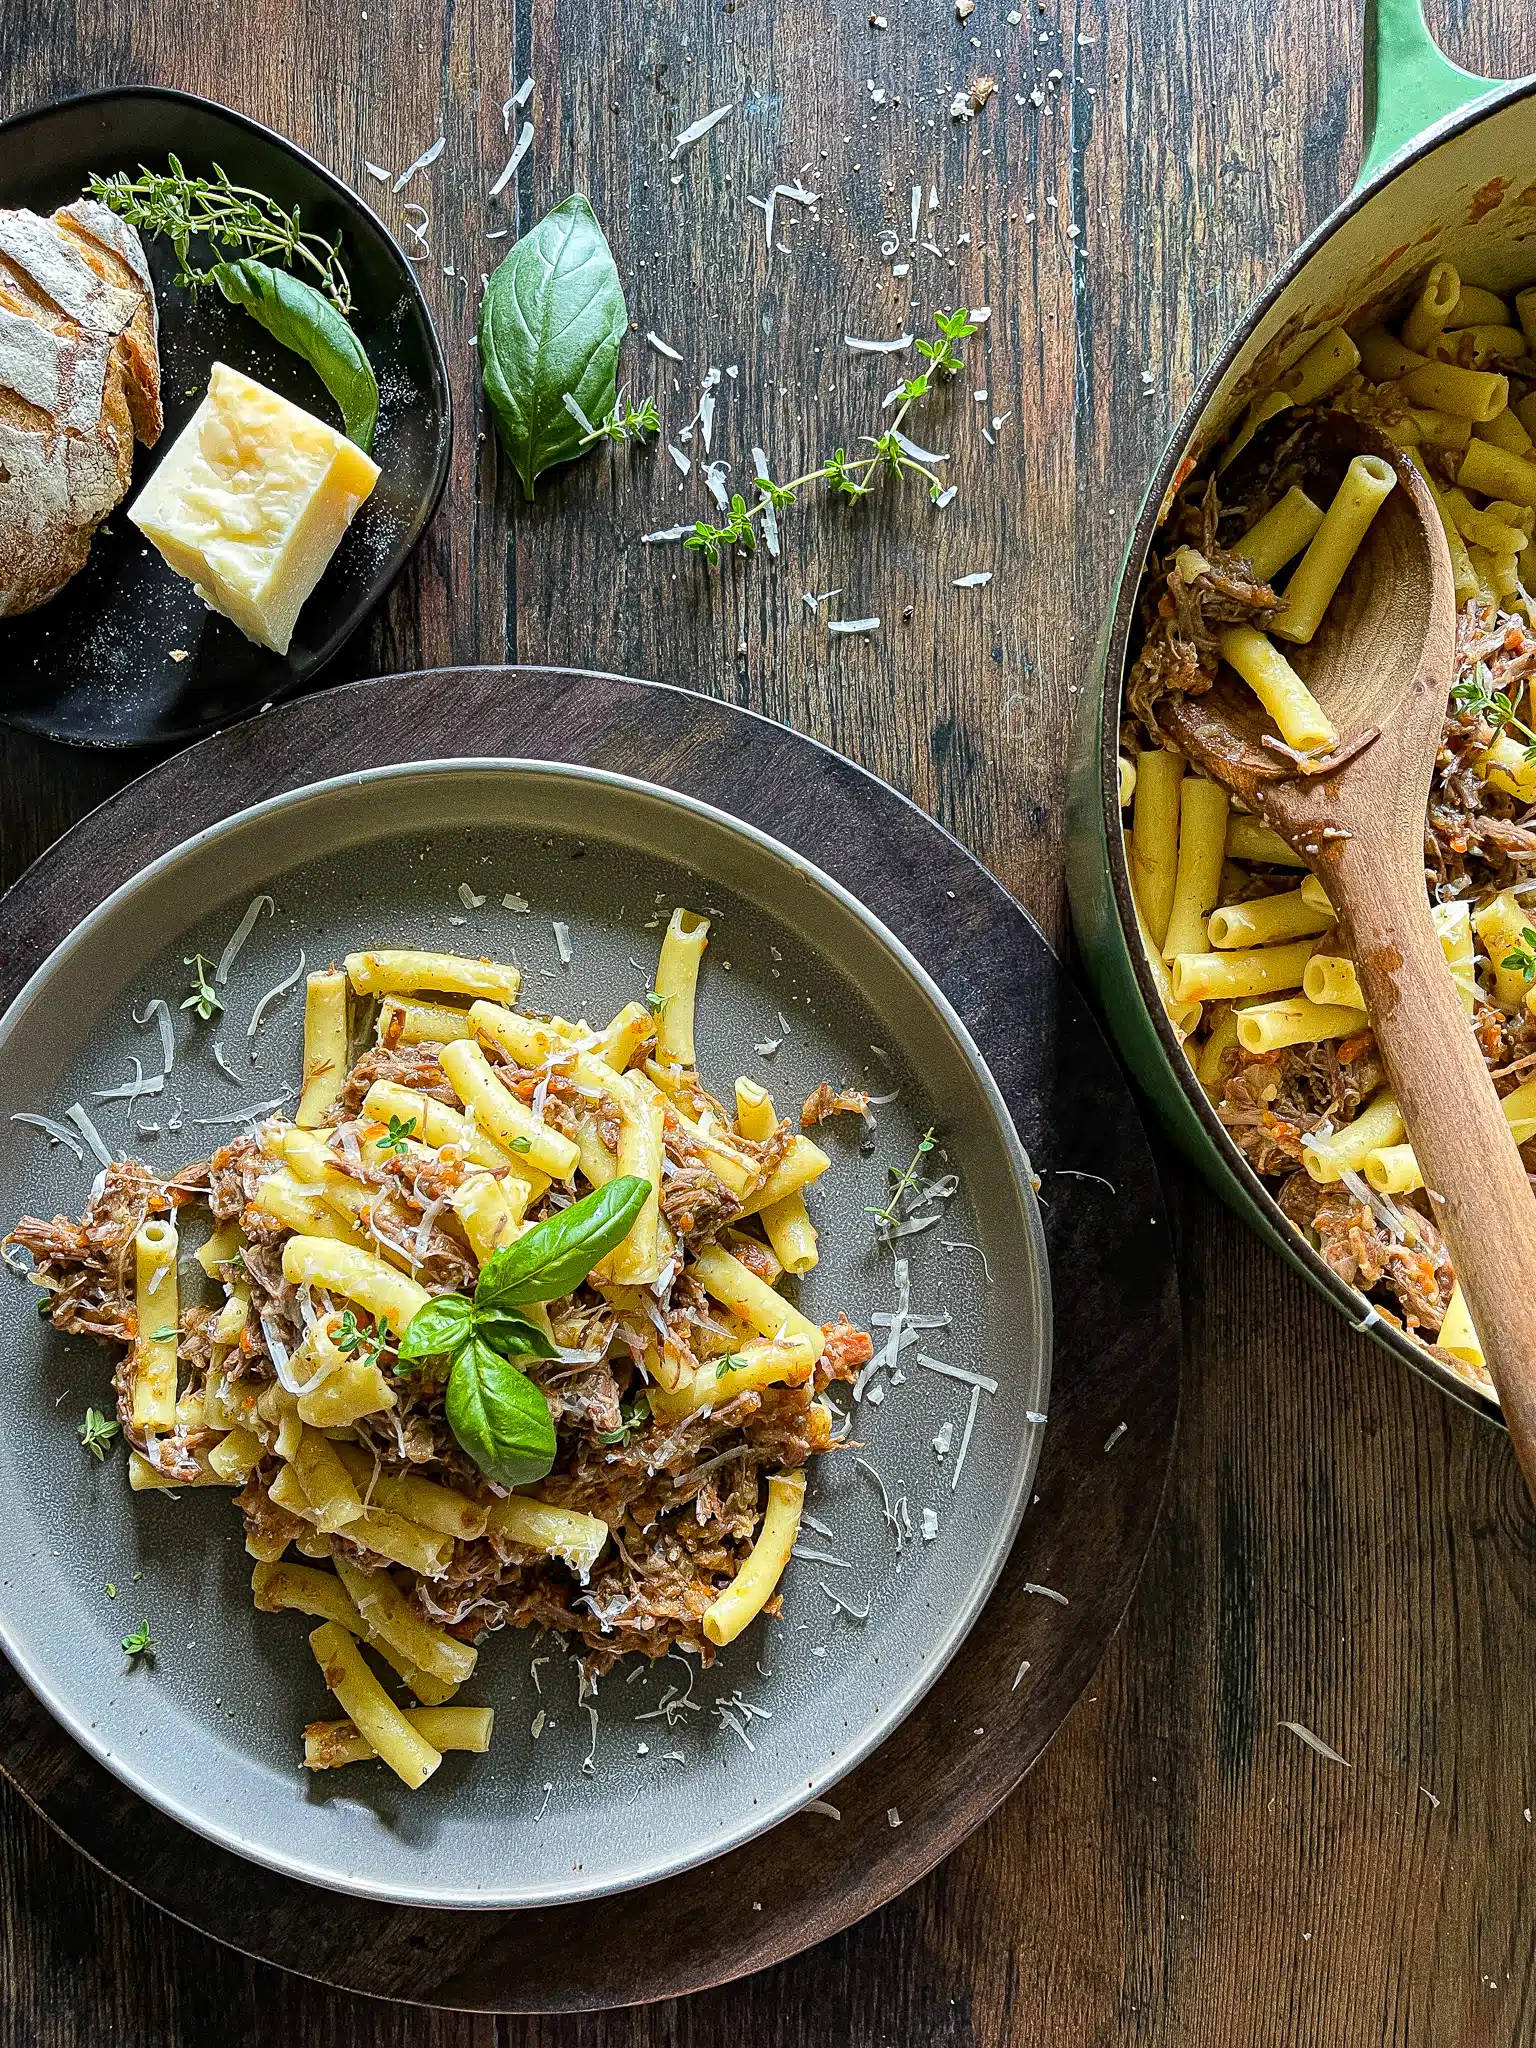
[{"x": 1479, "y": 1193}]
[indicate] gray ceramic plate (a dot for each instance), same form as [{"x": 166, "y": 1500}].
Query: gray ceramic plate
[{"x": 210, "y": 1730}]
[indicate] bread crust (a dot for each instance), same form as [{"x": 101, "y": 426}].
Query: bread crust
[{"x": 79, "y": 381}]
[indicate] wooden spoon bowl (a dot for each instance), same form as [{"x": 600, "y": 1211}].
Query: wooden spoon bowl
[{"x": 1381, "y": 666}]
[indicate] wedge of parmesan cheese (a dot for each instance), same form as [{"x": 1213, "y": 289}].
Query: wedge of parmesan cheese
[{"x": 251, "y": 503}]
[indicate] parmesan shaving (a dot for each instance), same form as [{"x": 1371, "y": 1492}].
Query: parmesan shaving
[
  {"x": 562, "y": 934},
  {"x": 979, "y": 1380},
  {"x": 239, "y": 936},
  {"x": 427, "y": 157},
  {"x": 520, "y": 149},
  {"x": 1314, "y": 1742},
  {"x": 273, "y": 994},
  {"x": 822, "y": 1806},
  {"x": 697, "y": 130},
  {"x": 130, "y": 1091},
  {"x": 977, "y": 580},
  {"x": 1047, "y": 1593},
  {"x": 965, "y": 1439},
  {"x": 853, "y": 625},
  {"x": 666, "y": 533},
  {"x": 59, "y": 1133},
  {"x": 845, "y": 1606},
  {"x": 861, "y": 346},
  {"x": 770, "y": 515},
  {"x": 158, "y": 1008},
  {"x": 569, "y": 401},
  {"x": 661, "y": 347},
  {"x": 377, "y": 171},
  {"x": 82, "y": 1123}
]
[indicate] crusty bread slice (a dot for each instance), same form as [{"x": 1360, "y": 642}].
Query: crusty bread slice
[{"x": 79, "y": 375}]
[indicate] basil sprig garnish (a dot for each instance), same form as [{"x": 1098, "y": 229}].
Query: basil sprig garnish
[
  {"x": 498, "y": 1415},
  {"x": 305, "y": 321},
  {"x": 551, "y": 322}
]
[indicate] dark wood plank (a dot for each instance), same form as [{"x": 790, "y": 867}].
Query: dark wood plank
[
  {"x": 1113, "y": 1385},
  {"x": 1341, "y": 1548}
]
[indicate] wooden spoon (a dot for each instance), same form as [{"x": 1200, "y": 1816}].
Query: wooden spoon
[{"x": 1381, "y": 666}]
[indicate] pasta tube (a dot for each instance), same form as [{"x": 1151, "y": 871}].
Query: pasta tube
[
  {"x": 1477, "y": 307},
  {"x": 1393, "y": 1170},
  {"x": 1496, "y": 472},
  {"x": 1127, "y": 780},
  {"x": 1383, "y": 356},
  {"x": 425, "y": 1502},
  {"x": 1433, "y": 307},
  {"x": 391, "y": 1616},
  {"x": 1446, "y": 387},
  {"x": 1326, "y": 364},
  {"x": 1368, "y": 482},
  {"x": 1155, "y": 837},
  {"x": 728, "y": 1281},
  {"x": 576, "y": 1539},
  {"x": 1379, "y": 1123},
  {"x": 1501, "y": 924},
  {"x": 802, "y": 1163},
  {"x": 1220, "y": 1040},
  {"x": 402, "y": 1022},
  {"x": 1301, "y": 720},
  {"x": 390, "y": 1298},
  {"x": 158, "y": 1311},
  {"x": 1204, "y": 977},
  {"x": 325, "y": 1047},
  {"x": 1457, "y": 1334},
  {"x": 510, "y": 1122},
  {"x": 404, "y": 973},
  {"x": 235, "y": 1456},
  {"x": 351, "y": 1385},
  {"x": 636, "y": 1260},
  {"x": 1203, "y": 810},
  {"x": 1330, "y": 978},
  {"x": 1249, "y": 838},
  {"x": 1262, "y": 920},
  {"x": 677, "y": 977},
  {"x": 373, "y": 1712},
  {"x": 753, "y": 1586},
  {"x": 1267, "y": 1027},
  {"x": 491, "y": 1212},
  {"x": 329, "y": 1744},
  {"x": 301, "y": 1207},
  {"x": 621, "y": 1042},
  {"x": 326, "y": 1482},
  {"x": 276, "y": 1588},
  {"x": 1281, "y": 534},
  {"x": 437, "y": 1125},
  {"x": 1506, "y": 430},
  {"x": 761, "y": 1362}
]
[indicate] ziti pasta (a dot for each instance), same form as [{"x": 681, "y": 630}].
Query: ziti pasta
[
  {"x": 502, "y": 1339},
  {"x": 1247, "y": 960}
]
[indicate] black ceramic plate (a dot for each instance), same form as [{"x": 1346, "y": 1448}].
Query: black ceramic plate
[{"x": 127, "y": 654}]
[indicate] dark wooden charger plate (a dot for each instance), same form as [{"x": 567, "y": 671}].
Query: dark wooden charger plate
[{"x": 1114, "y": 1374}]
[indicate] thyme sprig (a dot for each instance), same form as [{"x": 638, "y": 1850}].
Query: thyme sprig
[
  {"x": 903, "y": 1183},
  {"x": 850, "y": 476},
  {"x": 626, "y": 422},
  {"x": 204, "y": 998},
  {"x": 233, "y": 217},
  {"x": 1476, "y": 693}
]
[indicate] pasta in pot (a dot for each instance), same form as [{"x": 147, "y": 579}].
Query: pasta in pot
[{"x": 1250, "y": 966}]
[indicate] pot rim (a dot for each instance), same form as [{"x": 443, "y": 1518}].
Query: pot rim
[{"x": 1361, "y": 1313}]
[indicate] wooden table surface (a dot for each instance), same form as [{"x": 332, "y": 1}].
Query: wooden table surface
[{"x": 1341, "y": 1547}]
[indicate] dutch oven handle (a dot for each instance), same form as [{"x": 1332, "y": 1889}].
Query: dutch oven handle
[{"x": 1409, "y": 84}]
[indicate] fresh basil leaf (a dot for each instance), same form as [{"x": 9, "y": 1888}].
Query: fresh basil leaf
[
  {"x": 509, "y": 1333},
  {"x": 438, "y": 1328},
  {"x": 551, "y": 322},
  {"x": 305, "y": 321},
  {"x": 499, "y": 1416},
  {"x": 558, "y": 1254}
]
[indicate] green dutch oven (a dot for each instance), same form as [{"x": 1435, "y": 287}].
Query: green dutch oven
[{"x": 1449, "y": 170}]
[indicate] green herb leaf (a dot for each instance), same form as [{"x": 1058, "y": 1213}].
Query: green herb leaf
[
  {"x": 522, "y": 1144},
  {"x": 512, "y": 1334},
  {"x": 634, "y": 1414},
  {"x": 400, "y": 1130},
  {"x": 204, "y": 998},
  {"x": 438, "y": 1328},
  {"x": 97, "y": 1432},
  {"x": 305, "y": 321},
  {"x": 551, "y": 322},
  {"x": 557, "y": 1255},
  {"x": 139, "y": 1642},
  {"x": 500, "y": 1417},
  {"x": 727, "y": 1364}
]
